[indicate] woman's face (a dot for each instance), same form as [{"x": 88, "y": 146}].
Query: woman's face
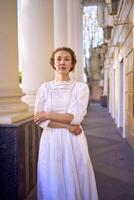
[{"x": 63, "y": 62}]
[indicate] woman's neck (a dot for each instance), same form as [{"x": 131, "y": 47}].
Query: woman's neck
[{"x": 62, "y": 77}]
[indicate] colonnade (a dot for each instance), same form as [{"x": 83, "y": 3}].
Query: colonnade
[{"x": 40, "y": 26}]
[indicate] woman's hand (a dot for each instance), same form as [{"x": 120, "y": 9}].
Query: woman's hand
[
  {"x": 75, "y": 129},
  {"x": 40, "y": 117},
  {"x": 43, "y": 116}
]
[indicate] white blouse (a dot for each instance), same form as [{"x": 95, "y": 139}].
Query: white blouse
[{"x": 63, "y": 97}]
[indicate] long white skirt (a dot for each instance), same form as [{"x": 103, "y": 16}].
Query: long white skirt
[{"x": 64, "y": 168}]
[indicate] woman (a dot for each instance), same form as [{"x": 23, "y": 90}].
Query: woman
[{"x": 64, "y": 167}]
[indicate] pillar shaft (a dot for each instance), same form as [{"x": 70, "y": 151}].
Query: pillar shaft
[
  {"x": 11, "y": 107},
  {"x": 60, "y": 23},
  {"x": 37, "y": 45},
  {"x": 105, "y": 91},
  {"x": 75, "y": 37},
  {"x": 68, "y": 30}
]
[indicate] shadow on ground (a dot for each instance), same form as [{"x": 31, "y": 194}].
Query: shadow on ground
[{"x": 111, "y": 155}]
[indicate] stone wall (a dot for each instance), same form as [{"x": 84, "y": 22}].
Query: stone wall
[
  {"x": 129, "y": 66},
  {"x": 18, "y": 160}
]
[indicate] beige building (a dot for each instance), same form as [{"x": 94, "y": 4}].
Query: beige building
[{"x": 119, "y": 65}]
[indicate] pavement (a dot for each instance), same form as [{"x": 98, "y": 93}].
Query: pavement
[{"x": 112, "y": 157}]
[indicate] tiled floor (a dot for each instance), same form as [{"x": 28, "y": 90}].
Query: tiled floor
[{"x": 111, "y": 155}]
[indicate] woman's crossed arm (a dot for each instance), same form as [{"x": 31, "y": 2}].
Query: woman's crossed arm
[{"x": 58, "y": 120}]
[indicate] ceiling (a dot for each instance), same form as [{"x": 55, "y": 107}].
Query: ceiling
[{"x": 92, "y": 2}]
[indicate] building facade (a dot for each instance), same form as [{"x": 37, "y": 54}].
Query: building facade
[{"x": 119, "y": 66}]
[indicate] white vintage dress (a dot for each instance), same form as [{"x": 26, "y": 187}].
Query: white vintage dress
[{"x": 64, "y": 168}]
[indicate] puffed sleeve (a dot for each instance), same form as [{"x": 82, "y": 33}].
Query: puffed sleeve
[
  {"x": 40, "y": 104},
  {"x": 79, "y": 106}
]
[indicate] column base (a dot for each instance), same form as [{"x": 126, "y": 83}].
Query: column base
[
  {"x": 12, "y": 109},
  {"x": 29, "y": 99},
  {"x": 15, "y": 117}
]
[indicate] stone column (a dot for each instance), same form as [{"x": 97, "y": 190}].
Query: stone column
[
  {"x": 68, "y": 30},
  {"x": 60, "y": 23},
  {"x": 113, "y": 91},
  {"x": 70, "y": 23},
  {"x": 79, "y": 41},
  {"x": 105, "y": 84},
  {"x": 37, "y": 46},
  {"x": 75, "y": 36},
  {"x": 106, "y": 75},
  {"x": 110, "y": 90},
  {"x": 11, "y": 107}
]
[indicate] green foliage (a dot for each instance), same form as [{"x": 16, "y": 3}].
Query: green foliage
[{"x": 20, "y": 77}]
